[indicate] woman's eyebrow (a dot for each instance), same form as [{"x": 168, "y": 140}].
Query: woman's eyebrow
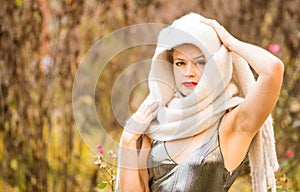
[
  {"x": 178, "y": 58},
  {"x": 199, "y": 57},
  {"x": 195, "y": 58}
]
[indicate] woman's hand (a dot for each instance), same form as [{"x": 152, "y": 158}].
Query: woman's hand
[
  {"x": 226, "y": 38},
  {"x": 140, "y": 121}
]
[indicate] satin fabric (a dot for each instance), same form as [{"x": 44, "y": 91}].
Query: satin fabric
[{"x": 201, "y": 171}]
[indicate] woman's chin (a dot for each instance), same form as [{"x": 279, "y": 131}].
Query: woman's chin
[{"x": 187, "y": 91}]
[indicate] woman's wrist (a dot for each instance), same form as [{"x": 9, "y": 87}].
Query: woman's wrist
[
  {"x": 129, "y": 139},
  {"x": 232, "y": 44}
]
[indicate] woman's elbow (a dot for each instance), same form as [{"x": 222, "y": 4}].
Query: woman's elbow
[{"x": 278, "y": 68}]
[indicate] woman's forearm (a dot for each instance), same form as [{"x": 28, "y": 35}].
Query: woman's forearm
[
  {"x": 130, "y": 164},
  {"x": 262, "y": 96},
  {"x": 129, "y": 169},
  {"x": 262, "y": 61}
]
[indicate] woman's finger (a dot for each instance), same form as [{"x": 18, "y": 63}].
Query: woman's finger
[
  {"x": 225, "y": 37},
  {"x": 151, "y": 116},
  {"x": 154, "y": 114},
  {"x": 211, "y": 22},
  {"x": 207, "y": 21},
  {"x": 146, "y": 113},
  {"x": 154, "y": 106}
]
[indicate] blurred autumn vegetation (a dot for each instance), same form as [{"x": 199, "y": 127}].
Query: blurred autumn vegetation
[{"x": 41, "y": 45}]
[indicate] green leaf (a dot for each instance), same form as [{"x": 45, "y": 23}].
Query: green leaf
[{"x": 102, "y": 185}]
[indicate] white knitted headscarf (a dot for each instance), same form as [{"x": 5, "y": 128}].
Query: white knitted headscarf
[{"x": 225, "y": 82}]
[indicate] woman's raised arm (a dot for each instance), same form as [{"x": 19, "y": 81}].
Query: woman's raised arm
[{"x": 262, "y": 97}]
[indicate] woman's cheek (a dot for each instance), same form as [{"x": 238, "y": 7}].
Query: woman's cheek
[{"x": 179, "y": 77}]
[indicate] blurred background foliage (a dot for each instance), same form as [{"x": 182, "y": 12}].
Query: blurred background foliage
[{"x": 41, "y": 45}]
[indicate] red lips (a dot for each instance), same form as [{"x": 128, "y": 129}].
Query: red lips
[{"x": 189, "y": 84}]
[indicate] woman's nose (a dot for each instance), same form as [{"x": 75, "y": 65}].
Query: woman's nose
[{"x": 190, "y": 70}]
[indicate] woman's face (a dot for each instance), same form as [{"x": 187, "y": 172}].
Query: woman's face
[{"x": 188, "y": 65}]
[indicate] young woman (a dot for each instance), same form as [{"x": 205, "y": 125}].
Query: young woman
[{"x": 204, "y": 113}]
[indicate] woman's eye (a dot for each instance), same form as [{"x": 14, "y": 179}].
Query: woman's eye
[
  {"x": 179, "y": 63},
  {"x": 202, "y": 62}
]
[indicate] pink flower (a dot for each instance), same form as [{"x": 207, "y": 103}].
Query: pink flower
[
  {"x": 100, "y": 149},
  {"x": 274, "y": 48},
  {"x": 289, "y": 153}
]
